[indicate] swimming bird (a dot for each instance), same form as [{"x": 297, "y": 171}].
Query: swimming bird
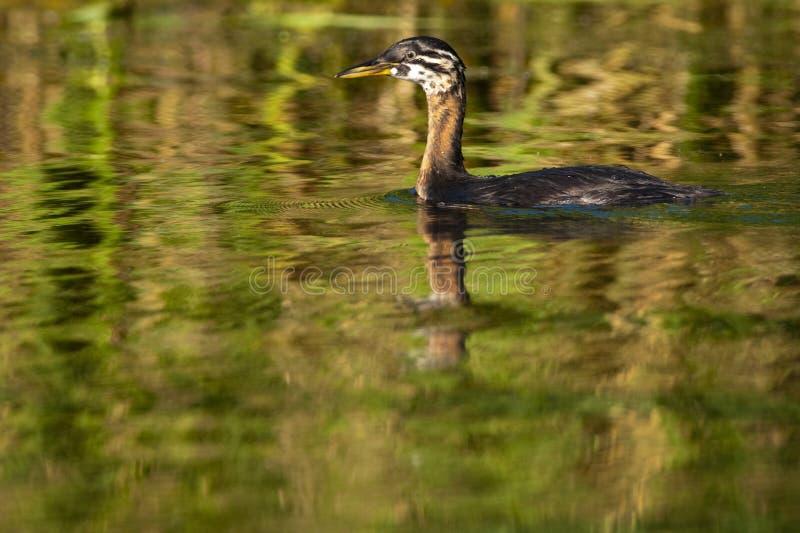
[{"x": 435, "y": 66}]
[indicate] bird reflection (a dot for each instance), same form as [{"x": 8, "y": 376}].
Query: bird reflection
[{"x": 443, "y": 229}]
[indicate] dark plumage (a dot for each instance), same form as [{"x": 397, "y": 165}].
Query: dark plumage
[{"x": 435, "y": 66}]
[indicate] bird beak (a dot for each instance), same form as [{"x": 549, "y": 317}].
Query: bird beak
[{"x": 373, "y": 67}]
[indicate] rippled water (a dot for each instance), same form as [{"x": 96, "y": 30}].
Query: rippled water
[{"x": 223, "y": 308}]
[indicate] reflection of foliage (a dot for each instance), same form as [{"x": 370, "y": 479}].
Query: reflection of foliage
[{"x": 145, "y": 386}]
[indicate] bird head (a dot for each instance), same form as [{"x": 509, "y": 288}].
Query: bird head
[{"x": 427, "y": 61}]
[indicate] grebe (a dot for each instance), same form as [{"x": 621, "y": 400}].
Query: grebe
[{"x": 434, "y": 65}]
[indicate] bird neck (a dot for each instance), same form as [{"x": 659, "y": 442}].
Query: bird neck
[{"x": 443, "y": 163}]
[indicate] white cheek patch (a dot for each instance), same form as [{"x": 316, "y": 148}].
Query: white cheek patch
[
  {"x": 431, "y": 82},
  {"x": 415, "y": 71},
  {"x": 436, "y": 83},
  {"x": 394, "y": 71}
]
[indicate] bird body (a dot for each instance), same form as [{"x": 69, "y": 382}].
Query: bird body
[{"x": 436, "y": 67}]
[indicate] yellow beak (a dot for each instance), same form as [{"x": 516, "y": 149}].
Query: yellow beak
[{"x": 373, "y": 67}]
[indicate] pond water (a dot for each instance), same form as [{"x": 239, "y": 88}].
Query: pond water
[{"x": 222, "y": 308}]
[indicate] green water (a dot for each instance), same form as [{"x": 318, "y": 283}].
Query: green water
[{"x": 222, "y": 309}]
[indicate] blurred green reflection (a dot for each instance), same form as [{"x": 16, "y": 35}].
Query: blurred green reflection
[{"x": 220, "y": 307}]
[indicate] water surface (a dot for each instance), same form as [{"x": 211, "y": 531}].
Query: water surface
[{"x": 223, "y": 309}]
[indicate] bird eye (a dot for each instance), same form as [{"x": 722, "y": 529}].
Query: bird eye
[{"x": 410, "y": 54}]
